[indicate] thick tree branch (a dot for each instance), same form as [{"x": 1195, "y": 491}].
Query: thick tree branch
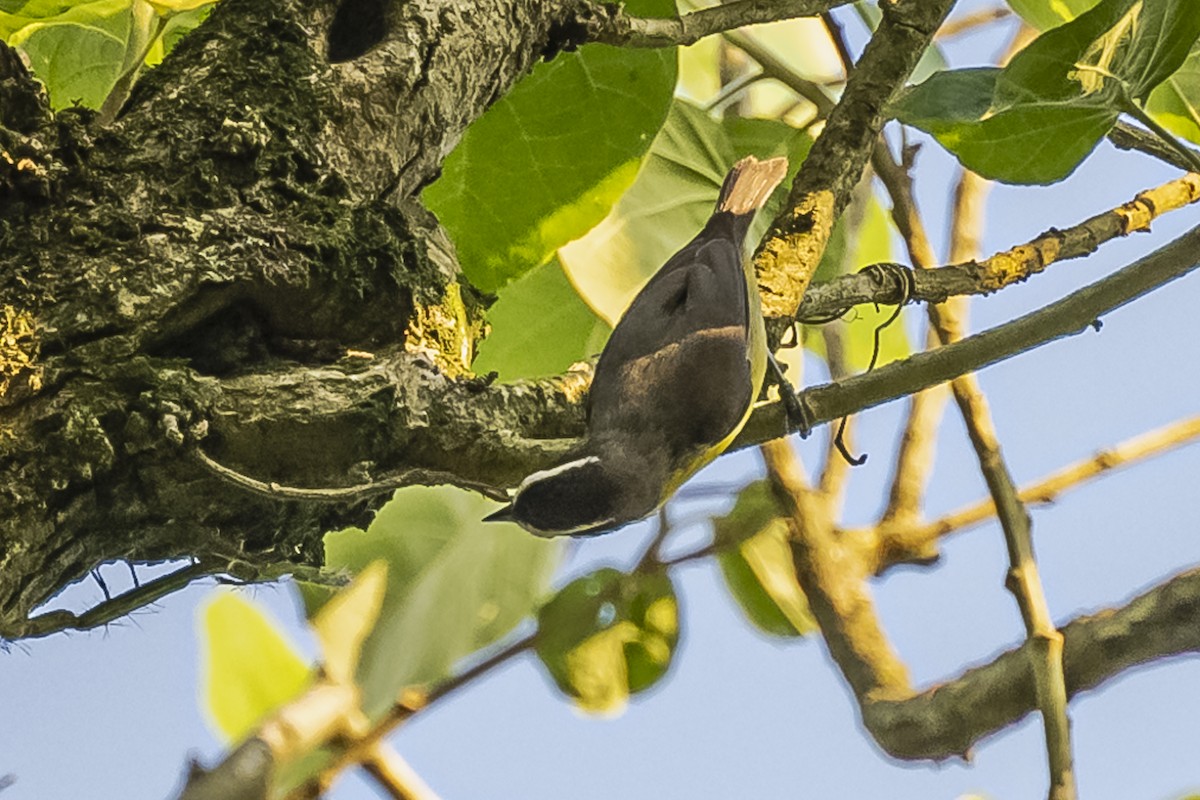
[
  {"x": 946, "y": 720},
  {"x": 201, "y": 269},
  {"x": 788, "y": 257}
]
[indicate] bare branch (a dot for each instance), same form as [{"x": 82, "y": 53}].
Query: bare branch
[
  {"x": 778, "y": 69},
  {"x": 411, "y": 701},
  {"x": 610, "y": 24},
  {"x": 348, "y": 494},
  {"x": 949, "y": 321},
  {"x": 114, "y": 608},
  {"x": 1013, "y": 265},
  {"x": 946, "y": 720},
  {"x": 968, "y": 22},
  {"x": 394, "y": 775},
  {"x": 1130, "y": 137},
  {"x": 1048, "y": 489},
  {"x": 832, "y": 577},
  {"x": 914, "y": 459},
  {"x": 1045, "y": 641}
]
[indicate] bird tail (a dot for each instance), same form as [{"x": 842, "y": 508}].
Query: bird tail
[{"x": 750, "y": 183}]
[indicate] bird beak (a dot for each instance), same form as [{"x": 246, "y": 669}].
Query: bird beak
[{"x": 504, "y": 514}]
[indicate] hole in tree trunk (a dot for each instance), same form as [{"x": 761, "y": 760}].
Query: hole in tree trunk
[{"x": 357, "y": 26}]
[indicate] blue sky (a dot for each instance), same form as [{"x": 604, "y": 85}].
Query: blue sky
[{"x": 113, "y": 713}]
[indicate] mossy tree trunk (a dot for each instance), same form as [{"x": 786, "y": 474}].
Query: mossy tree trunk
[{"x": 240, "y": 263}]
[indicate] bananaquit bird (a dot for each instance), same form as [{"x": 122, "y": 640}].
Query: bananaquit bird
[{"x": 675, "y": 382}]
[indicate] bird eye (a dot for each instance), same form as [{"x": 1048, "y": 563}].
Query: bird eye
[{"x": 606, "y": 614}]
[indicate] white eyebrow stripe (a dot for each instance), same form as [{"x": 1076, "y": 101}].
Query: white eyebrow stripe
[
  {"x": 589, "y": 526},
  {"x": 561, "y": 468}
]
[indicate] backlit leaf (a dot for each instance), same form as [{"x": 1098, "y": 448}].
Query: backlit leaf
[
  {"x": 547, "y": 161},
  {"x": 670, "y": 201},
  {"x": 454, "y": 585},
  {"x": 758, "y": 566},
  {"x": 249, "y": 668}
]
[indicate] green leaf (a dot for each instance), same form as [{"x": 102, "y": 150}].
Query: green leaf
[
  {"x": 1029, "y": 143},
  {"x": 79, "y": 50},
  {"x": 758, "y": 567},
  {"x": 548, "y": 160},
  {"x": 1045, "y": 14},
  {"x": 668, "y": 204},
  {"x": 1137, "y": 42},
  {"x": 76, "y": 50},
  {"x": 1175, "y": 104},
  {"x": 455, "y": 585},
  {"x": 1032, "y": 142},
  {"x": 1060, "y": 95},
  {"x": 540, "y": 326},
  {"x": 178, "y": 26},
  {"x": 249, "y": 667},
  {"x": 608, "y": 635}
]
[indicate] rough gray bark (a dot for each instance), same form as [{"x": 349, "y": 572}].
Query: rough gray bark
[{"x": 195, "y": 273}]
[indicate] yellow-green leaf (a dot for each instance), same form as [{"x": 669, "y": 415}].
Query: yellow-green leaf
[
  {"x": 344, "y": 622},
  {"x": 249, "y": 667}
]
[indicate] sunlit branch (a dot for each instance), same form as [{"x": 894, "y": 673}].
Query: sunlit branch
[
  {"x": 792, "y": 249},
  {"x": 1048, "y": 489},
  {"x": 1013, "y": 265}
]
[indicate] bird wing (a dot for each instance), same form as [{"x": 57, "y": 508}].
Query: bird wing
[{"x": 683, "y": 341}]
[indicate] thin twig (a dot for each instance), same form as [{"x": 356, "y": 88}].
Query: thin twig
[
  {"x": 652, "y": 555},
  {"x": 1046, "y": 642},
  {"x": 965, "y": 23},
  {"x": 1130, "y": 137},
  {"x": 1190, "y": 156},
  {"x": 1024, "y": 582},
  {"x": 610, "y": 24},
  {"x": 346, "y": 494},
  {"x": 114, "y": 608},
  {"x": 1010, "y": 266},
  {"x": 394, "y": 775},
  {"x": 780, "y": 70},
  {"x": 915, "y": 457},
  {"x": 411, "y": 701},
  {"x": 1047, "y": 489}
]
